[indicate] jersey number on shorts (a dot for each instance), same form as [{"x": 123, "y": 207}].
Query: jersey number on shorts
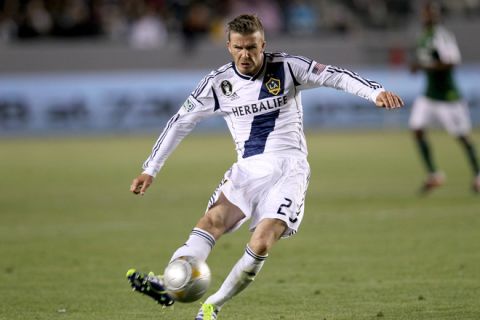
[{"x": 287, "y": 204}]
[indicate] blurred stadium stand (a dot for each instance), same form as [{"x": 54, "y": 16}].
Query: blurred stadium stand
[
  {"x": 54, "y": 35},
  {"x": 86, "y": 66}
]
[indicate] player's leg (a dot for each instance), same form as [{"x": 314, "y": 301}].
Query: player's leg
[
  {"x": 221, "y": 216},
  {"x": 278, "y": 212},
  {"x": 266, "y": 234},
  {"x": 456, "y": 119},
  {"x": 469, "y": 149},
  {"x": 218, "y": 219},
  {"x": 425, "y": 150},
  {"x": 421, "y": 117},
  {"x": 434, "y": 178}
]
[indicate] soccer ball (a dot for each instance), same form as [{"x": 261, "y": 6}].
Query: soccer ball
[{"x": 186, "y": 279}]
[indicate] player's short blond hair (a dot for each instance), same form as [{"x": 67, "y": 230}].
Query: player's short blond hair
[{"x": 245, "y": 24}]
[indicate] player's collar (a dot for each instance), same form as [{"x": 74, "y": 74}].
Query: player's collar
[{"x": 254, "y": 77}]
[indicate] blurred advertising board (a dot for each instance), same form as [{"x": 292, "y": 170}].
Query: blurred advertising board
[{"x": 86, "y": 103}]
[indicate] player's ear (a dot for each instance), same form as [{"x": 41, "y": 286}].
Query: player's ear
[
  {"x": 264, "y": 45},
  {"x": 229, "y": 48}
]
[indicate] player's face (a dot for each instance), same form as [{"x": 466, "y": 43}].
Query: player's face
[
  {"x": 247, "y": 51},
  {"x": 430, "y": 15}
]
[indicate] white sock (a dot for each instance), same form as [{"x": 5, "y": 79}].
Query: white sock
[
  {"x": 198, "y": 245},
  {"x": 242, "y": 274}
]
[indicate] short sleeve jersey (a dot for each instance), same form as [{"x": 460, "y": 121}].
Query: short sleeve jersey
[{"x": 437, "y": 44}]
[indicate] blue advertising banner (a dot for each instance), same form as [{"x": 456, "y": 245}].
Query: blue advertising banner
[{"x": 144, "y": 101}]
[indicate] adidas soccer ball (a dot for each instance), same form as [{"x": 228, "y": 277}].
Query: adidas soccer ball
[{"x": 186, "y": 279}]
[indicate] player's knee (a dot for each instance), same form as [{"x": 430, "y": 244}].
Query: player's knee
[
  {"x": 266, "y": 235},
  {"x": 261, "y": 244},
  {"x": 259, "y": 247},
  {"x": 213, "y": 224}
]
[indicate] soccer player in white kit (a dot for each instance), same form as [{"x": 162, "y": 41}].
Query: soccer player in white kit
[
  {"x": 437, "y": 54},
  {"x": 258, "y": 95}
]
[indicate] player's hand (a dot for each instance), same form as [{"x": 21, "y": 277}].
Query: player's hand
[
  {"x": 388, "y": 100},
  {"x": 141, "y": 183}
]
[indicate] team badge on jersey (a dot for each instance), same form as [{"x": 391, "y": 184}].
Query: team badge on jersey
[
  {"x": 188, "y": 105},
  {"x": 226, "y": 87},
  {"x": 273, "y": 86}
]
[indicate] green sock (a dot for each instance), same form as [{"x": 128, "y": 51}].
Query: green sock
[
  {"x": 425, "y": 152},
  {"x": 471, "y": 155}
]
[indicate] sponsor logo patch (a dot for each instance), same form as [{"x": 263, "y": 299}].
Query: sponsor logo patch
[
  {"x": 226, "y": 87},
  {"x": 188, "y": 105},
  {"x": 273, "y": 86}
]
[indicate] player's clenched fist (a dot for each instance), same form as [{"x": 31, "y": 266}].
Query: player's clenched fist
[
  {"x": 389, "y": 100},
  {"x": 141, "y": 183}
]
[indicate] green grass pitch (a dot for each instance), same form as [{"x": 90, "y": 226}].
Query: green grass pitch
[{"x": 369, "y": 246}]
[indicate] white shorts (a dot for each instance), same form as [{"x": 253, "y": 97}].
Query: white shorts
[
  {"x": 267, "y": 186},
  {"x": 453, "y": 116}
]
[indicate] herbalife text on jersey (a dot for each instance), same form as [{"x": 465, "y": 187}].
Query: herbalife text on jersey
[{"x": 265, "y": 105}]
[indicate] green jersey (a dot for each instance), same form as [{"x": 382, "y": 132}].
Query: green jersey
[{"x": 438, "y": 45}]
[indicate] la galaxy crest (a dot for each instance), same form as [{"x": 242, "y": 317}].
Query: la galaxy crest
[{"x": 273, "y": 86}]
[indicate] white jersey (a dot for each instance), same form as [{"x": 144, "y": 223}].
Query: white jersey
[
  {"x": 264, "y": 112},
  {"x": 438, "y": 44}
]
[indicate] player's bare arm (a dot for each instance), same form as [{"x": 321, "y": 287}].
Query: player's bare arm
[
  {"x": 389, "y": 100},
  {"x": 141, "y": 183}
]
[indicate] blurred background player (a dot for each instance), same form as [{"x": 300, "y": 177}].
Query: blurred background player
[
  {"x": 258, "y": 95},
  {"x": 437, "y": 54}
]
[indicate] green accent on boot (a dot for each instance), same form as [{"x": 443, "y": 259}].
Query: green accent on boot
[
  {"x": 130, "y": 272},
  {"x": 209, "y": 311}
]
